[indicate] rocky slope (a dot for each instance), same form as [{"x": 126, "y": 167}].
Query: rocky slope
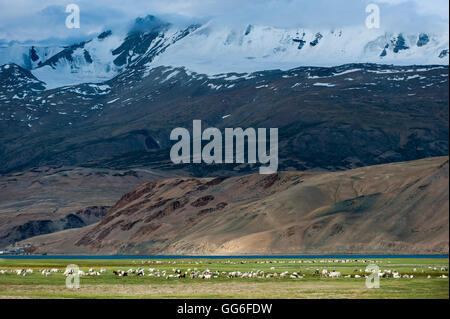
[
  {"x": 328, "y": 118},
  {"x": 49, "y": 199},
  {"x": 393, "y": 208}
]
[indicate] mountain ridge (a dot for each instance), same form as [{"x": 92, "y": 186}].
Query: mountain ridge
[
  {"x": 127, "y": 121},
  {"x": 102, "y": 110},
  {"x": 392, "y": 208},
  {"x": 155, "y": 42}
]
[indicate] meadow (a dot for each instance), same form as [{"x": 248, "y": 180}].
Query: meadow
[{"x": 419, "y": 278}]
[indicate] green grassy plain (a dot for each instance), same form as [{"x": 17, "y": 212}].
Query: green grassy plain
[{"x": 108, "y": 285}]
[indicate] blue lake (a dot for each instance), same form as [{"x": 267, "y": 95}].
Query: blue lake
[{"x": 217, "y": 257}]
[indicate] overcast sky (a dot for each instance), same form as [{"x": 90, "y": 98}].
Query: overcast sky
[{"x": 34, "y": 20}]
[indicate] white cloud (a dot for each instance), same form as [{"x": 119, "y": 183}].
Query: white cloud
[
  {"x": 423, "y": 7},
  {"x": 38, "y": 20}
]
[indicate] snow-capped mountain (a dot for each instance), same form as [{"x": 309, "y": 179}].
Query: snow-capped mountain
[
  {"x": 213, "y": 48},
  {"x": 28, "y": 56},
  {"x": 89, "y": 61},
  {"x": 218, "y": 50},
  {"x": 98, "y": 59}
]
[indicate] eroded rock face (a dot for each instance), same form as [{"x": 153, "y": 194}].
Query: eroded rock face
[
  {"x": 443, "y": 53},
  {"x": 49, "y": 199},
  {"x": 31, "y": 228},
  {"x": 399, "y": 44},
  {"x": 423, "y": 40}
]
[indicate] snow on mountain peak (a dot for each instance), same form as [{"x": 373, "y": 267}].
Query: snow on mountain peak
[{"x": 215, "y": 48}]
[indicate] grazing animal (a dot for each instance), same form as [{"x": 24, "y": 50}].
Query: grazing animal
[
  {"x": 335, "y": 274},
  {"x": 68, "y": 272},
  {"x": 140, "y": 272}
]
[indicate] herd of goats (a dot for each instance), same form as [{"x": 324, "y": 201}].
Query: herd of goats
[{"x": 208, "y": 274}]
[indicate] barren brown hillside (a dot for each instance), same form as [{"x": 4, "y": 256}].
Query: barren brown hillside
[
  {"x": 47, "y": 199},
  {"x": 392, "y": 208}
]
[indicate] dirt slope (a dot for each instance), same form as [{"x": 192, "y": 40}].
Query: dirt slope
[
  {"x": 392, "y": 208},
  {"x": 48, "y": 199}
]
